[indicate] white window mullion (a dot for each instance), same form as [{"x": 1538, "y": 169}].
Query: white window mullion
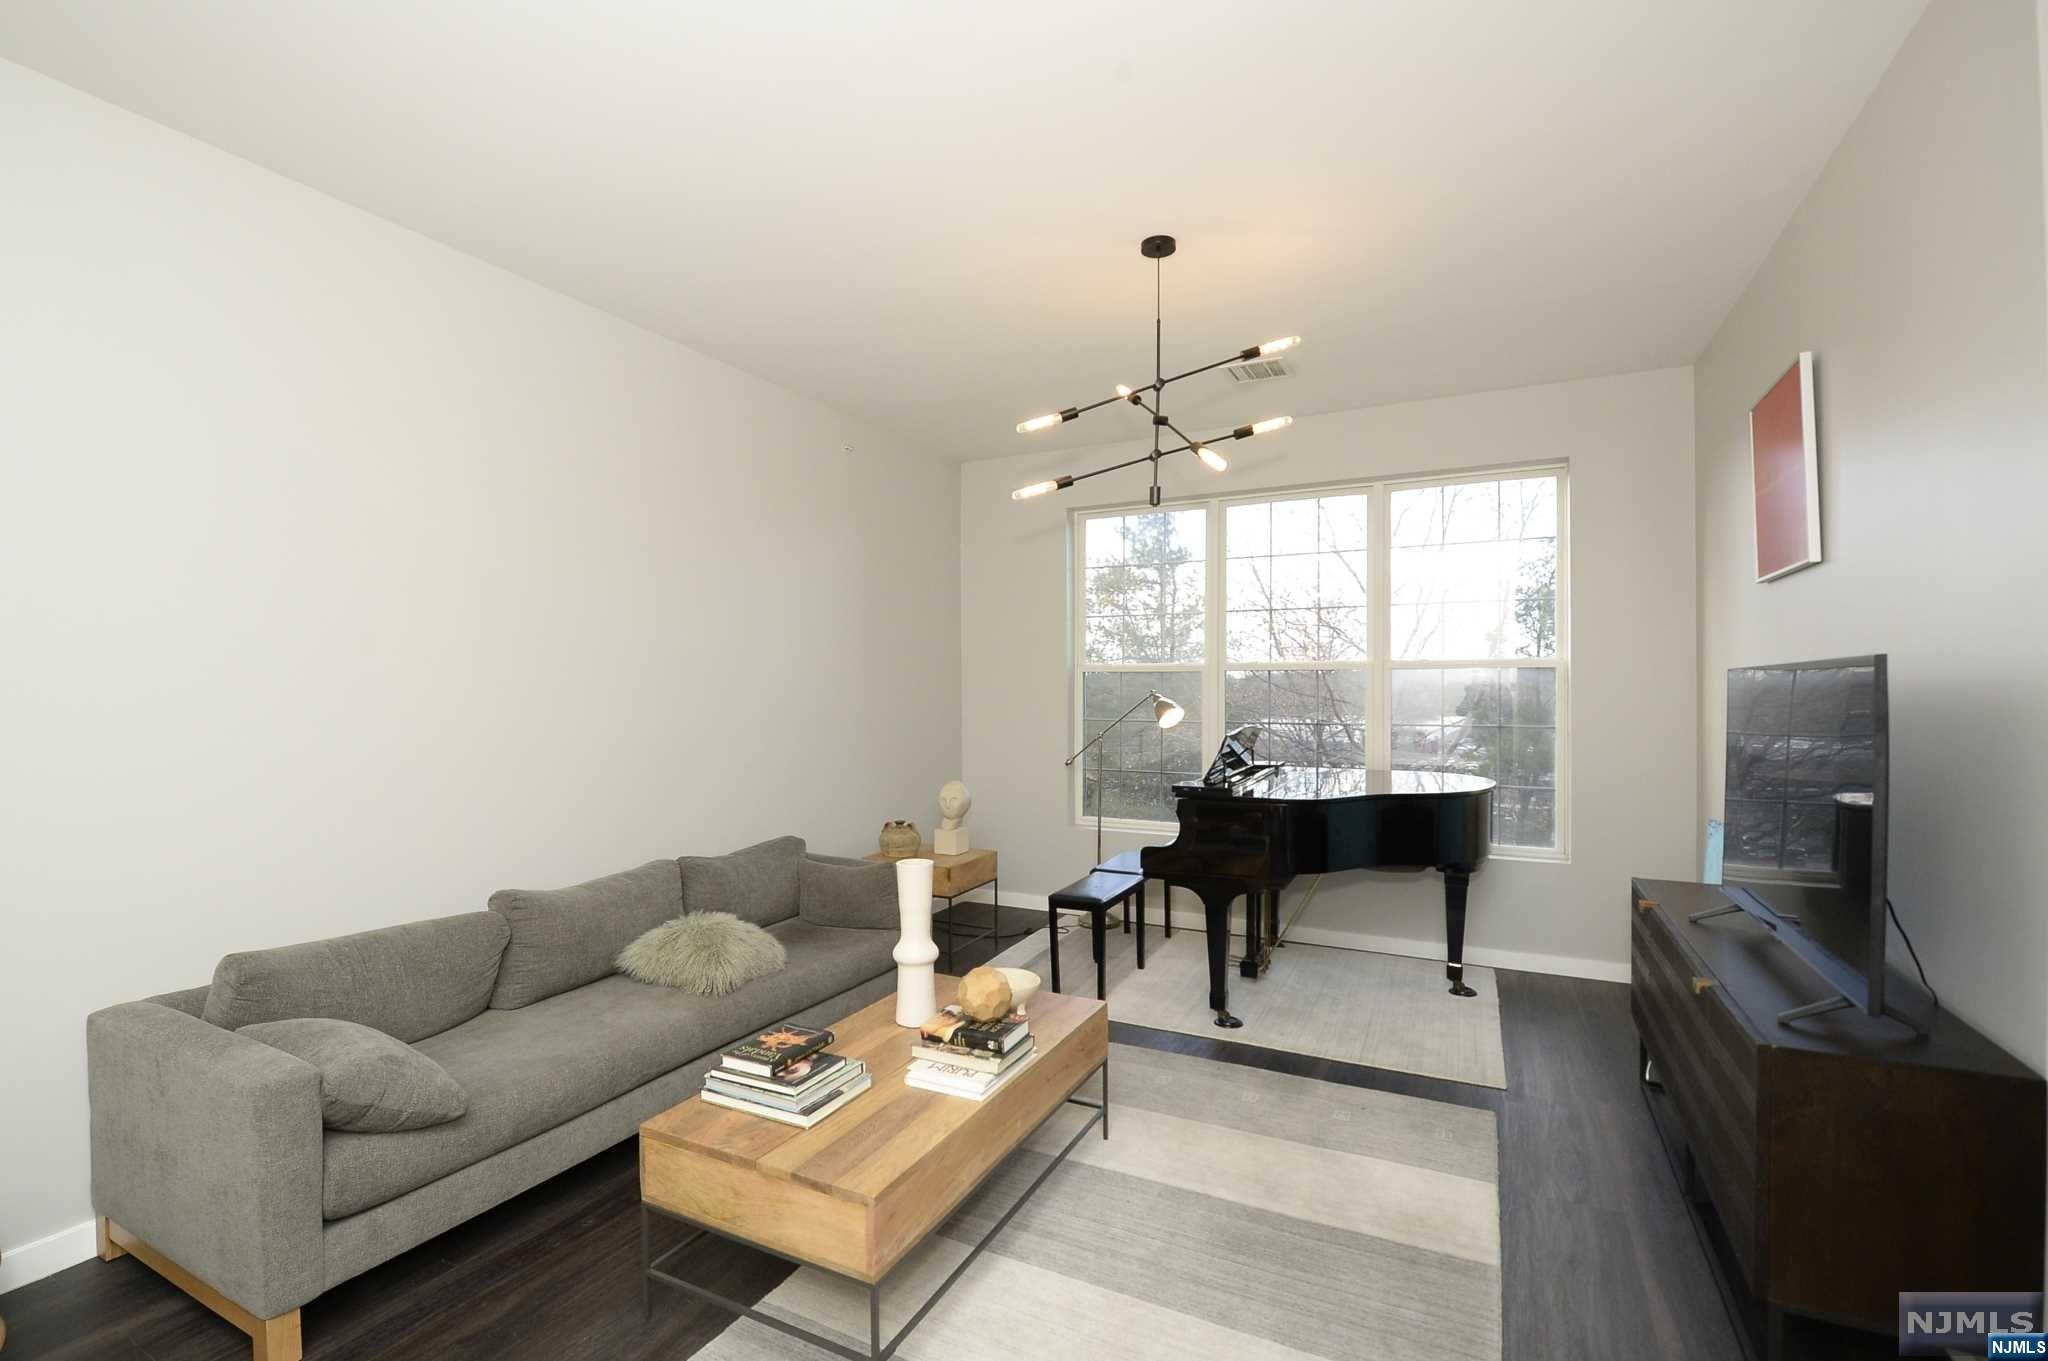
[
  {"x": 1212, "y": 639},
  {"x": 1379, "y": 590}
]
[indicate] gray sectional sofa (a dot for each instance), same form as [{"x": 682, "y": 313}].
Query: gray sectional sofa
[{"x": 210, "y": 1159}]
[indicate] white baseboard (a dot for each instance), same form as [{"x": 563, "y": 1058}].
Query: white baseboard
[
  {"x": 1525, "y": 961},
  {"x": 47, "y": 1256}
]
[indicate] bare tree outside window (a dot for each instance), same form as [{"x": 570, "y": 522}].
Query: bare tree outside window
[
  {"x": 1297, "y": 599},
  {"x": 1474, "y": 581},
  {"x": 1145, "y": 598}
]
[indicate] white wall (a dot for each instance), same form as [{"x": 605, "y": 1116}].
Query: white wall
[
  {"x": 1914, "y": 271},
  {"x": 344, "y": 579},
  {"x": 1629, "y": 444}
]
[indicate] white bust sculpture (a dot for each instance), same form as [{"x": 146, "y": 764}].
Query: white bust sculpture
[{"x": 954, "y": 801}]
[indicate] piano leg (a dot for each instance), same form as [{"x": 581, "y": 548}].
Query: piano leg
[
  {"x": 1216, "y": 919},
  {"x": 1456, "y": 882},
  {"x": 1254, "y": 921},
  {"x": 1261, "y": 925}
]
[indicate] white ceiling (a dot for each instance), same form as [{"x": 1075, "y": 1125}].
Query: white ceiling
[{"x": 928, "y": 213}]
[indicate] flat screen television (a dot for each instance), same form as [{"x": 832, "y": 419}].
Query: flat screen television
[{"x": 1808, "y": 756}]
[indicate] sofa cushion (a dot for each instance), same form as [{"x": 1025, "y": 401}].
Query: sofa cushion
[
  {"x": 368, "y": 1081},
  {"x": 563, "y": 938},
  {"x": 408, "y": 981},
  {"x": 528, "y": 1070},
  {"x": 848, "y": 895},
  {"x": 758, "y": 884}
]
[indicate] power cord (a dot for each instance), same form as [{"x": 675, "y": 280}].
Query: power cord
[{"x": 1914, "y": 953}]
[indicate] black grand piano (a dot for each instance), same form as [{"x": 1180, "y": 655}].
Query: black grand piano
[{"x": 1249, "y": 828}]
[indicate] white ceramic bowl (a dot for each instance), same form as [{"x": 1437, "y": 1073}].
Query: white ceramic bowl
[{"x": 1024, "y": 985}]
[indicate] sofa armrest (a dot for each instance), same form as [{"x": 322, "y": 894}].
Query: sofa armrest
[
  {"x": 207, "y": 1145},
  {"x": 847, "y": 861}
]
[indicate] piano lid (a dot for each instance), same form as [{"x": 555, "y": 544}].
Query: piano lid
[{"x": 1345, "y": 782}]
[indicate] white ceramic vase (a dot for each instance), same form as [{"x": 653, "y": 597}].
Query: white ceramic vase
[{"x": 915, "y": 953}]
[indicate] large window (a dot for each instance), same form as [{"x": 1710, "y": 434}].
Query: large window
[
  {"x": 1413, "y": 625},
  {"x": 1144, "y": 585}
]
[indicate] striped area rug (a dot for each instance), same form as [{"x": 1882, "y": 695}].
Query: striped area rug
[{"x": 1233, "y": 1213}]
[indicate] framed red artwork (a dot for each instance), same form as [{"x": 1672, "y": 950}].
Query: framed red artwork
[{"x": 1784, "y": 467}]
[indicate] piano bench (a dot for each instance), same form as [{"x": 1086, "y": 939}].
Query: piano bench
[
  {"x": 1128, "y": 862},
  {"x": 1095, "y": 893}
]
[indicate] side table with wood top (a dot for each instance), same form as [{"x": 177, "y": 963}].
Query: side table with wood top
[{"x": 956, "y": 876}]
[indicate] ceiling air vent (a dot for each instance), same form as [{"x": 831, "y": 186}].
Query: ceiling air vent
[{"x": 1259, "y": 370}]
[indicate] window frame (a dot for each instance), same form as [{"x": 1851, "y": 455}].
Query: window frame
[{"x": 1379, "y": 664}]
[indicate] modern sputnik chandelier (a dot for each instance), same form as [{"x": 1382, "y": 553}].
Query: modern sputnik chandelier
[{"x": 1156, "y": 249}]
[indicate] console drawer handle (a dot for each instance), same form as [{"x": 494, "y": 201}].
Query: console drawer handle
[{"x": 1700, "y": 985}]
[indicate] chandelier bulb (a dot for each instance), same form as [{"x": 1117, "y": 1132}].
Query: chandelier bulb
[
  {"x": 1123, "y": 390},
  {"x": 1047, "y": 421},
  {"x": 1041, "y": 488},
  {"x": 1276, "y": 346},
  {"x": 1211, "y": 458},
  {"x": 1267, "y": 427}
]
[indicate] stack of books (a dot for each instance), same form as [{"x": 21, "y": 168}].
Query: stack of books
[
  {"x": 786, "y": 1074},
  {"x": 974, "y": 1059}
]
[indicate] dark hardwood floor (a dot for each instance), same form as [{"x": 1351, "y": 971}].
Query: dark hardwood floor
[{"x": 1602, "y": 1255}]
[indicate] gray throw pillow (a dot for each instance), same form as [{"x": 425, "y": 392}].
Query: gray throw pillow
[
  {"x": 369, "y": 1082},
  {"x": 848, "y": 895},
  {"x": 709, "y": 953},
  {"x": 563, "y": 938},
  {"x": 757, "y": 884}
]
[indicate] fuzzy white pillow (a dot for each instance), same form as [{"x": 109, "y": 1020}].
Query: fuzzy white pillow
[{"x": 709, "y": 953}]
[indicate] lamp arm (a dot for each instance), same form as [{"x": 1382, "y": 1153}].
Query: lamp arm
[{"x": 1106, "y": 731}]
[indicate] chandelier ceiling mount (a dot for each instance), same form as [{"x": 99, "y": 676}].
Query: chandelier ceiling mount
[{"x": 1156, "y": 249}]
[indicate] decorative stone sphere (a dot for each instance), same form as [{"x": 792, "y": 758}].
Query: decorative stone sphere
[
  {"x": 985, "y": 994},
  {"x": 954, "y": 801}
]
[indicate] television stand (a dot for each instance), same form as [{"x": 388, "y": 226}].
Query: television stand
[
  {"x": 1851, "y": 988},
  {"x": 1845, "y": 1160}
]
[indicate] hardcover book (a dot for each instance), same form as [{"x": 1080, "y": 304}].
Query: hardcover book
[
  {"x": 773, "y": 1051},
  {"x": 801, "y": 1076},
  {"x": 801, "y": 1119},
  {"x": 741, "y": 1087},
  {"x": 978, "y": 1059},
  {"x": 952, "y": 1080},
  {"x": 952, "y": 1027}
]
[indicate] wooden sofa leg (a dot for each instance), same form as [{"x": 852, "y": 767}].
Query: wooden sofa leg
[
  {"x": 277, "y": 1339},
  {"x": 109, "y": 1249},
  {"x": 270, "y": 1339}
]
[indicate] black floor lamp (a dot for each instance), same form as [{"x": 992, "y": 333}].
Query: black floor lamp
[{"x": 1164, "y": 712}]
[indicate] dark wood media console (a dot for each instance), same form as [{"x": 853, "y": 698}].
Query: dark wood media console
[{"x": 1847, "y": 1159}]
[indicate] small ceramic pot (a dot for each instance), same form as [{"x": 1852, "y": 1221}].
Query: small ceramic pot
[{"x": 900, "y": 839}]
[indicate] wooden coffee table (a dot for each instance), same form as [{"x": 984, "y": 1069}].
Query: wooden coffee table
[{"x": 856, "y": 1194}]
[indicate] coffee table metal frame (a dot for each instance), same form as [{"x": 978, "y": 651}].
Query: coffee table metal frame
[{"x": 651, "y": 1265}]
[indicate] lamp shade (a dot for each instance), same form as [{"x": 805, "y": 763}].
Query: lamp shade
[{"x": 1165, "y": 711}]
